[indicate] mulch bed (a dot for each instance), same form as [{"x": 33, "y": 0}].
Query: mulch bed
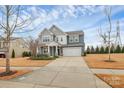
[
  {"x": 12, "y": 74},
  {"x": 115, "y": 81}
]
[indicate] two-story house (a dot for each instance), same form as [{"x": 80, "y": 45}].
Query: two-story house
[
  {"x": 54, "y": 41},
  {"x": 17, "y": 44}
]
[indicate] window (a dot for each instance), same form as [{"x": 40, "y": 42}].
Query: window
[
  {"x": 76, "y": 38},
  {"x": 73, "y": 39},
  {"x": 61, "y": 39},
  {"x": 57, "y": 39},
  {"x": 46, "y": 39},
  {"x": 70, "y": 39}
]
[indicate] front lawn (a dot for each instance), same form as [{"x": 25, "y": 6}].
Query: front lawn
[
  {"x": 98, "y": 61},
  {"x": 25, "y": 62},
  {"x": 115, "y": 81}
]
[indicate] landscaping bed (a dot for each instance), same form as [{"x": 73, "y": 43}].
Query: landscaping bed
[
  {"x": 43, "y": 57},
  {"x": 115, "y": 81},
  {"x": 98, "y": 61},
  {"x": 13, "y": 74}
]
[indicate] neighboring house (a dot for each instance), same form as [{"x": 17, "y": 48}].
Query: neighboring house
[
  {"x": 55, "y": 42},
  {"x": 18, "y": 44}
]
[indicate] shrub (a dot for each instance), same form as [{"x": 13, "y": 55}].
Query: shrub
[
  {"x": 97, "y": 50},
  {"x": 26, "y": 54},
  {"x": 118, "y": 49},
  {"x": 106, "y": 49},
  {"x": 56, "y": 56},
  {"x": 102, "y": 50},
  {"x": 13, "y": 53},
  {"x": 88, "y": 50},
  {"x": 122, "y": 51},
  {"x": 84, "y": 54},
  {"x": 112, "y": 50},
  {"x": 92, "y": 50},
  {"x": 43, "y": 57}
]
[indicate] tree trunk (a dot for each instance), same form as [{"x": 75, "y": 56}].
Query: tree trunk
[
  {"x": 7, "y": 60},
  {"x": 109, "y": 53}
]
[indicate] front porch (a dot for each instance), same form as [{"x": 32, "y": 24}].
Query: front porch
[{"x": 51, "y": 49}]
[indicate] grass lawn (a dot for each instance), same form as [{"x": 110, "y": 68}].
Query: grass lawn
[
  {"x": 14, "y": 75},
  {"x": 115, "y": 81},
  {"x": 25, "y": 62},
  {"x": 98, "y": 61}
]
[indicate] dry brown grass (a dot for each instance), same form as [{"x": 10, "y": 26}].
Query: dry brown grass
[
  {"x": 115, "y": 81},
  {"x": 98, "y": 61},
  {"x": 18, "y": 73},
  {"x": 25, "y": 62}
]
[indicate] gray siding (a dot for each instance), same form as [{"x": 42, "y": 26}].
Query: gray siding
[{"x": 81, "y": 39}]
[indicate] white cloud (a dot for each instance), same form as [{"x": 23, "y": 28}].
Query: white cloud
[{"x": 90, "y": 15}]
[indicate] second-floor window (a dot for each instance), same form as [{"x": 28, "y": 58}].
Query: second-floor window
[
  {"x": 61, "y": 39},
  {"x": 73, "y": 39},
  {"x": 46, "y": 39}
]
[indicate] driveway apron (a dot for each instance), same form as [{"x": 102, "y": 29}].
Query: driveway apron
[{"x": 63, "y": 72}]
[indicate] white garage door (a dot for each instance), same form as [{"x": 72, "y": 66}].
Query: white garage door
[{"x": 72, "y": 51}]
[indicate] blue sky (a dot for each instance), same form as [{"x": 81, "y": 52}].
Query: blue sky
[{"x": 70, "y": 18}]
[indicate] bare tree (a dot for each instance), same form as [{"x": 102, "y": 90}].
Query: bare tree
[
  {"x": 11, "y": 21},
  {"x": 107, "y": 11},
  {"x": 103, "y": 36},
  {"x": 106, "y": 36},
  {"x": 32, "y": 45}
]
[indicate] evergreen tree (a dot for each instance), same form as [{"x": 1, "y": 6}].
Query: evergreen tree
[
  {"x": 13, "y": 53},
  {"x": 112, "y": 49},
  {"x": 29, "y": 54},
  {"x": 92, "y": 50},
  {"x": 97, "y": 50},
  {"x": 122, "y": 51},
  {"x": 118, "y": 49},
  {"x": 106, "y": 50},
  {"x": 102, "y": 50},
  {"x": 88, "y": 50}
]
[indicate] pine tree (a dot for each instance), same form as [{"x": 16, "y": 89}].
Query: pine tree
[
  {"x": 13, "y": 53},
  {"x": 112, "y": 49},
  {"x": 122, "y": 51},
  {"x": 92, "y": 50},
  {"x": 102, "y": 50},
  {"x": 118, "y": 49},
  {"x": 88, "y": 50},
  {"x": 106, "y": 50},
  {"x": 97, "y": 50}
]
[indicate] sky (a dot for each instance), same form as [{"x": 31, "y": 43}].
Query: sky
[{"x": 87, "y": 18}]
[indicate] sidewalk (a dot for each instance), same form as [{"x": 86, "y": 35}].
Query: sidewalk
[
  {"x": 108, "y": 71},
  {"x": 9, "y": 84}
]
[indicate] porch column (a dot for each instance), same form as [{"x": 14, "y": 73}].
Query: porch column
[
  {"x": 56, "y": 50},
  {"x": 37, "y": 51},
  {"x": 48, "y": 50},
  {"x": 52, "y": 50},
  {"x": 60, "y": 51}
]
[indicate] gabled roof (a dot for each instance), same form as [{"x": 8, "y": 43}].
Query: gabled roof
[
  {"x": 75, "y": 33},
  {"x": 46, "y": 32},
  {"x": 55, "y": 30}
]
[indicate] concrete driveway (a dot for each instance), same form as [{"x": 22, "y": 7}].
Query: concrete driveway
[{"x": 63, "y": 72}]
